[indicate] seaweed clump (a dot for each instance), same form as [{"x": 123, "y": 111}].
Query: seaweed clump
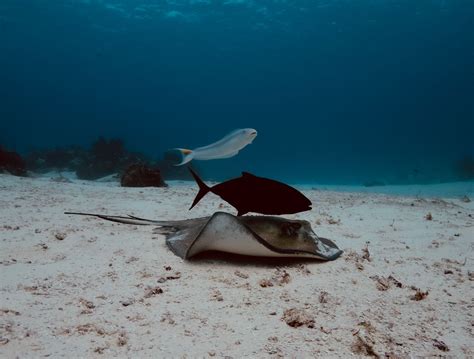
[{"x": 12, "y": 163}]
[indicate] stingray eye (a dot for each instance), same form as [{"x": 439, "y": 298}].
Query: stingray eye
[{"x": 296, "y": 227}]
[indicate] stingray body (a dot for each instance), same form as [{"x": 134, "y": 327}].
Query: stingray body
[{"x": 260, "y": 236}]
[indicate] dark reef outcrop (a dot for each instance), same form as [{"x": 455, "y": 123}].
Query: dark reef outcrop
[
  {"x": 140, "y": 175},
  {"x": 12, "y": 163},
  {"x": 59, "y": 158},
  {"x": 465, "y": 168},
  {"x": 105, "y": 157}
]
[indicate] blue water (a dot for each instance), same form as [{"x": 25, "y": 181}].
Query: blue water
[{"x": 341, "y": 92}]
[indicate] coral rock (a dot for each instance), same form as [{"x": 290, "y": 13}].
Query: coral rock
[
  {"x": 139, "y": 175},
  {"x": 297, "y": 318}
]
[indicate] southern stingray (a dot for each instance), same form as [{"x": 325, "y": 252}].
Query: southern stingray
[{"x": 262, "y": 236}]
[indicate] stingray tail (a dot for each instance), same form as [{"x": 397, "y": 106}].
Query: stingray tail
[
  {"x": 188, "y": 155},
  {"x": 203, "y": 188},
  {"x": 120, "y": 219}
]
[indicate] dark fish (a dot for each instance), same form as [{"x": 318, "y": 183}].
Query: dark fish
[{"x": 250, "y": 193}]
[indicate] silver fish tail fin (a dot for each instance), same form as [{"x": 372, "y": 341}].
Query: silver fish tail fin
[
  {"x": 188, "y": 156},
  {"x": 203, "y": 188}
]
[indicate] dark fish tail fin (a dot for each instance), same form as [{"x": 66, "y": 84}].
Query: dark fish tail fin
[{"x": 203, "y": 188}]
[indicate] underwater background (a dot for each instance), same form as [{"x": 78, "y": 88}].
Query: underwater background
[{"x": 340, "y": 91}]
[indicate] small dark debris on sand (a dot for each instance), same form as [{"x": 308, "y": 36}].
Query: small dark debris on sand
[
  {"x": 132, "y": 259},
  {"x": 303, "y": 269},
  {"x": 419, "y": 295},
  {"x": 43, "y": 246},
  {"x": 100, "y": 350},
  {"x": 429, "y": 216},
  {"x": 366, "y": 253},
  {"x": 440, "y": 345},
  {"x": 241, "y": 275},
  {"x": 9, "y": 311},
  {"x": 4, "y": 340},
  {"x": 86, "y": 329},
  {"x": 217, "y": 296},
  {"x": 153, "y": 291},
  {"x": 127, "y": 302},
  {"x": 298, "y": 317},
  {"x": 364, "y": 343},
  {"x": 122, "y": 339},
  {"x": 264, "y": 283},
  {"x": 280, "y": 277},
  {"x": 357, "y": 258},
  {"x": 167, "y": 318},
  {"x": 87, "y": 305},
  {"x": 323, "y": 297},
  {"x": 174, "y": 276},
  {"x": 384, "y": 283},
  {"x": 60, "y": 236},
  {"x": 333, "y": 221}
]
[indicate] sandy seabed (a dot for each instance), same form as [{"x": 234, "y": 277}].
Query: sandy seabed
[{"x": 80, "y": 287}]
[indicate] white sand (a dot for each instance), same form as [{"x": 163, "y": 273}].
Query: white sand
[{"x": 85, "y": 294}]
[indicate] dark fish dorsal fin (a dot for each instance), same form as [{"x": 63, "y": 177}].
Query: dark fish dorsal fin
[{"x": 247, "y": 174}]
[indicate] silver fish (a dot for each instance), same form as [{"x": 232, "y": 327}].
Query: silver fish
[{"x": 227, "y": 147}]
